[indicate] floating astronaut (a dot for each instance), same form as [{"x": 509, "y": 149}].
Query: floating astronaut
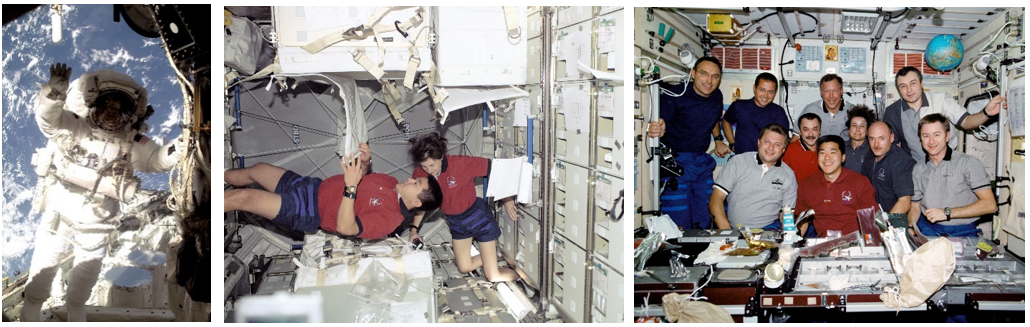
[{"x": 88, "y": 167}]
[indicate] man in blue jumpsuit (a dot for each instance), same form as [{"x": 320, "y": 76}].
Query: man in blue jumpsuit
[{"x": 693, "y": 119}]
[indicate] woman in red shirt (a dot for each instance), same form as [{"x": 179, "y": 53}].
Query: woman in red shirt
[{"x": 468, "y": 216}]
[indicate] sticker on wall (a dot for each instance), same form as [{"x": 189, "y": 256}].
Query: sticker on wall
[{"x": 831, "y": 53}]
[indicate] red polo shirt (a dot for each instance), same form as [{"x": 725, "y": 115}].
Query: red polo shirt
[
  {"x": 458, "y": 181},
  {"x": 804, "y": 163},
  {"x": 835, "y": 203},
  {"x": 377, "y": 209}
]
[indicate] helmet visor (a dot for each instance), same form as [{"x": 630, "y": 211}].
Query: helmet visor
[{"x": 111, "y": 111}]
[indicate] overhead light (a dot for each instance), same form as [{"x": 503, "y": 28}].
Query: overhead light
[{"x": 858, "y": 22}]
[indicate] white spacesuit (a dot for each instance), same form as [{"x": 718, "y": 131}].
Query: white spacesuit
[{"x": 87, "y": 168}]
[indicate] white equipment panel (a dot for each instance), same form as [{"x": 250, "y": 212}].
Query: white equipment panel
[
  {"x": 573, "y": 123},
  {"x": 474, "y": 48},
  {"x": 606, "y": 294},
  {"x": 569, "y": 279},
  {"x": 609, "y": 234},
  {"x": 574, "y": 183},
  {"x": 298, "y": 26}
]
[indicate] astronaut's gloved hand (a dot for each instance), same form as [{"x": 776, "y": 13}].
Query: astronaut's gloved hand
[
  {"x": 179, "y": 146},
  {"x": 58, "y": 84}
]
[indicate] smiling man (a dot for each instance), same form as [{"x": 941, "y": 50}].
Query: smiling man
[
  {"x": 836, "y": 194},
  {"x": 914, "y": 104},
  {"x": 801, "y": 154},
  {"x": 832, "y": 109},
  {"x": 693, "y": 122},
  {"x": 756, "y": 185},
  {"x": 952, "y": 189},
  {"x": 889, "y": 170},
  {"x": 353, "y": 204},
  {"x": 752, "y": 115}
]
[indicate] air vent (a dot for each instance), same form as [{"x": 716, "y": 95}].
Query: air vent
[
  {"x": 917, "y": 60},
  {"x": 750, "y": 59}
]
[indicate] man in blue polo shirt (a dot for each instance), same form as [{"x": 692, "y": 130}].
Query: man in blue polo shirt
[
  {"x": 693, "y": 123},
  {"x": 752, "y": 115},
  {"x": 889, "y": 168}
]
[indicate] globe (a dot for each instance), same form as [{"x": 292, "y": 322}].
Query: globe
[{"x": 944, "y": 52}]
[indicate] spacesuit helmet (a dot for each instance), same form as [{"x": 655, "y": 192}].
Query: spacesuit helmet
[
  {"x": 112, "y": 101},
  {"x": 112, "y": 110}
]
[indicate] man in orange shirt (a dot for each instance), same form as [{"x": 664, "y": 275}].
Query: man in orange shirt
[{"x": 801, "y": 154}]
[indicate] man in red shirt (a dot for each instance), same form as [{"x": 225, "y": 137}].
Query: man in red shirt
[
  {"x": 836, "y": 194},
  {"x": 801, "y": 154},
  {"x": 353, "y": 204}
]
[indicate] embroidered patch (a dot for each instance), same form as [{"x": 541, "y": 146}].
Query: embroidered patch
[
  {"x": 846, "y": 197},
  {"x": 451, "y": 182},
  {"x": 881, "y": 175},
  {"x": 375, "y": 202}
]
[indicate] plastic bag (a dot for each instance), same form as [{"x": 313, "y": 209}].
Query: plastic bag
[
  {"x": 373, "y": 312},
  {"x": 380, "y": 284}
]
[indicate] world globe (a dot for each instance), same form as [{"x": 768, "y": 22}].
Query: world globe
[{"x": 944, "y": 52}]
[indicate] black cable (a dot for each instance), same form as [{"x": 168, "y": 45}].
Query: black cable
[
  {"x": 786, "y": 90},
  {"x": 774, "y": 13},
  {"x": 903, "y": 13},
  {"x": 757, "y": 20}
]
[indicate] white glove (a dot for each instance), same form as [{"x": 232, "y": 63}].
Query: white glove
[
  {"x": 180, "y": 145},
  {"x": 58, "y": 84}
]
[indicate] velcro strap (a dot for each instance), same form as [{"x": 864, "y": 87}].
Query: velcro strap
[
  {"x": 511, "y": 18},
  {"x": 365, "y": 62},
  {"x": 409, "y": 74},
  {"x": 271, "y": 69},
  {"x": 391, "y": 95},
  {"x": 381, "y": 46}
]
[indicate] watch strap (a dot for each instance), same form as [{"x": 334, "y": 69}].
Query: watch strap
[{"x": 350, "y": 192}]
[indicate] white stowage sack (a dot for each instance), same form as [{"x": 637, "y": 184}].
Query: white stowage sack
[{"x": 936, "y": 262}]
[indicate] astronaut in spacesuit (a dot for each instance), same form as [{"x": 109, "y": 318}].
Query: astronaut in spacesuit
[{"x": 94, "y": 148}]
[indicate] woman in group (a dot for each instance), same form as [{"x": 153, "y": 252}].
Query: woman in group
[{"x": 468, "y": 216}]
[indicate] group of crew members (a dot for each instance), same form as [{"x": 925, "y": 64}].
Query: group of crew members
[{"x": 838, "y": 159}]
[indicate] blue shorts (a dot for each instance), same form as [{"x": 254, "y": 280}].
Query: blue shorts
[
  {"x": 931, "y": 229},
  {"x": 299, "y": 209},
  {"x": 477, "y": 221}
]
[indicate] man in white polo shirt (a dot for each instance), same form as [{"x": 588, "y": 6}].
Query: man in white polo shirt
[{"x": 756, "y": 184}]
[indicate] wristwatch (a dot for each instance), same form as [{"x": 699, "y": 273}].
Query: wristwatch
[
  {"x": 947, "y": 213},
  {"x": 986, "y": 114},
  {"x": 351, "y": 192},
  {"x": 719, "y": 137},
  {"x": 731, "y": 146}
]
